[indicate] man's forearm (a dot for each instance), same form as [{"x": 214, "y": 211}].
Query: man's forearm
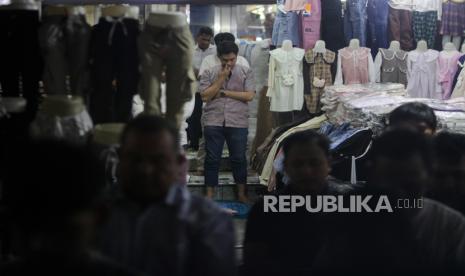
[
  {"x": 211, "y": 92},
  {"x": 245, "y": 96}
]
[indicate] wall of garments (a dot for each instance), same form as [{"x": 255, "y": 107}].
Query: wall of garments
[{"x": 321, "y": 43}]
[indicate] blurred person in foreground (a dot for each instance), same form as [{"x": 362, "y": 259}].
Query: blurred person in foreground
[
  {"x": 286, "y": 243},
  {"x": 157, "y": 226},
  {"x": 415, "y": 115},
  {"x": 52, "y": 193},
  {"x": 418, "y": 236}
]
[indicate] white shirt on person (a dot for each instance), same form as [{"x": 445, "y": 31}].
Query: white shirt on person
[{"x": 200, "y": 54}]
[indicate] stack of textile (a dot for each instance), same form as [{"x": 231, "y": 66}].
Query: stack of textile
[{"x": 368, "y": 106}]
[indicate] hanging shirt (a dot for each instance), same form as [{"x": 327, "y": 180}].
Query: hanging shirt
[
  {"x": 447, "y": 69},
  {"x": 422, "y": 74},
  {"x": 317, "y": 75},
  {"x": 285, "y": 80},
  {"x": 355, "y": 66},
  {"x": 418, "y": 5},
  {"x": 460, "y": 65},
  {"x": 311, "y": 23},
  {"x": 459, "y": 90},
  {"x": 391, "y": 66}
]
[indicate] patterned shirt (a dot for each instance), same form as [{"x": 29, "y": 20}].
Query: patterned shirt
[
  {"x": 225, "y": 111},
  {"x": 317, "y": 66}
]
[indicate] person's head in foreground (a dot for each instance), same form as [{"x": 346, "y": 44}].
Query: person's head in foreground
[
  {"x": 400, "y": 163},
  {"x": 307, "y": 161},
  {"x": 415, "y": 115},
  {"x": 150, "y": 159}
]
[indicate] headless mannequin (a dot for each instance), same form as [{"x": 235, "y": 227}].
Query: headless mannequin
[
  {"x": 354, "y": 44},
  {"x": 287, "y": 45},
  {"x": 165, "y": 19},
  {"x": 449, "y": 47},
  {"x": 394, "y": 46},
  {"x": 422, "y": 46},
  {"x": 320, "y": 47},
  {"x": 115, "y": 11}
]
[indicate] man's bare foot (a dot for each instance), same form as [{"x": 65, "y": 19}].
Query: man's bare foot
[
  {"x": 241, "y": 193},
  {"x": 210, "y": 192}
]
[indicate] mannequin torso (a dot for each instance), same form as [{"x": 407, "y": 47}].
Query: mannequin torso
[
  {"x": 422, "y": 46},
  {"x": 449, "y": 47},
  {"x": 320, "y": 47},
  {"x": 394, "y": 46},
  {"x": 287, "y": 45},
  {"x": 354, "y": 44}
]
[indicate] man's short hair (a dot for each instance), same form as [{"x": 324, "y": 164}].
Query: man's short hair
[
  {"x": 400, "y": 144},
  {"x": 227, "y": 47},
  {"x": 150, "y": 124},
  {"x": 221, "y": 37},
  {"x": 413, "y": 112},
  {"x": 205, "y": 31},
  {"x": 305, "y": 138}
]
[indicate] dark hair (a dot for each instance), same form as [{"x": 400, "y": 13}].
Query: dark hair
[
  {"x": 46, "y": 182},
  {"x": 227, "y": 47},
  {"x": 221, "y": 37},
  {"x": 304, "y": 138},
  {"x": 205, "y": 31},
  {"x": 400, "y": 144},
  {"x": 413, "y": 112},
  {"x": 150, "y": 124},
  {"x": 449, "y": 147}
]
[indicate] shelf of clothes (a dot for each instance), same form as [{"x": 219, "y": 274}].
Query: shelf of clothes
[{"x": 374, "y": 22}]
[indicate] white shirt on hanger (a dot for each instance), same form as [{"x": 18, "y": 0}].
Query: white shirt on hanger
[
  {"x": 285, "y": 80},
  {"x": 418, "y": 5}
]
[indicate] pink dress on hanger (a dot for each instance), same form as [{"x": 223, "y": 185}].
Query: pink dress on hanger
[
  {"x": 311, "y": 23},
  {"x": 447, "y": 70}
]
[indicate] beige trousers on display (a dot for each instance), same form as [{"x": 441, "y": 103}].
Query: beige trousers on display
[{"x": 168, "y": 50}]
